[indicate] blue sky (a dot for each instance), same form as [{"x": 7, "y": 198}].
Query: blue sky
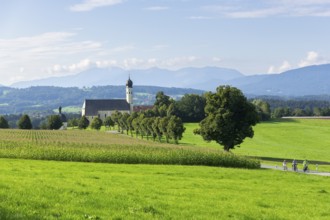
[{"x": 42, "y": 38}]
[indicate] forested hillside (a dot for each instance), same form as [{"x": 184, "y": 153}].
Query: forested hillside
[{"x": 48, "y": 98}]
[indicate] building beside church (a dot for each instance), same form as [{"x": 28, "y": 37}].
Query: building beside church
[{"x": 103, "y": 108}]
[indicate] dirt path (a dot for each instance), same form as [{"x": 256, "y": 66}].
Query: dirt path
[{"x": 299, "y": 171}]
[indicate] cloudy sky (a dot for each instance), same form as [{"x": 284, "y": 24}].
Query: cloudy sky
[{"x": 42, "y": 38}]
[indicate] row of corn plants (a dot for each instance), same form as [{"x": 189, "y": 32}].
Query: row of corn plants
[{"x": 90, "y": 146}]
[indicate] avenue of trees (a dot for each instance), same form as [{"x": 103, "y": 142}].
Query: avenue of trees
[{"x": 157, "y": 123}]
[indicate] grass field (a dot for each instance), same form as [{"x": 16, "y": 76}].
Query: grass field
[
  {"x": 70, "y": 190},
  {"x": 285, "y": 139},
  {"x": 41, "y": 189}
]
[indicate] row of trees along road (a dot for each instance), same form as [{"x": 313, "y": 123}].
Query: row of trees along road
[{"x": 156, "y": 123}]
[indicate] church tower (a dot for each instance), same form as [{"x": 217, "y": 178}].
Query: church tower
[{"x": 129, "y": 93}]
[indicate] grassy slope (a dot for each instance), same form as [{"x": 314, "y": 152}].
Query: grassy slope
[
  {"x": 70, "y": 190},
  {"x": 300, "y": 139}
]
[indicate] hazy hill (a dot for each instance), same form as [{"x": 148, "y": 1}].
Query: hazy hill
[
  {"x": 311, "y": 80},
  {"x": 206, "y": 78}
]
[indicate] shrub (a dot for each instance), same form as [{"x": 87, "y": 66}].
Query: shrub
[
  {"x": 3, "y": 122},
  {"x": 24, "y": 122},
  {"x": 96, "y": 123},
  {"x": 83, "y": 123},
  {"x": 54, "y": 122}
]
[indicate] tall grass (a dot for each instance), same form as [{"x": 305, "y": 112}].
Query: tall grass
[{"x": 91, "y": 146}]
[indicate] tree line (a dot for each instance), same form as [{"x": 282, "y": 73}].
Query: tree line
[{"x": 190, "y": 108}]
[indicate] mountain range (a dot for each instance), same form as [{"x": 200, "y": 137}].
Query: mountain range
[{"x": 310, "y": 80}]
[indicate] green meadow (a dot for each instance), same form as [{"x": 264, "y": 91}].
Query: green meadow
[
  {"x": 98, "y": 175},
  {"x": 35, "y": 189},
  {"x": 283, "y": 139}
]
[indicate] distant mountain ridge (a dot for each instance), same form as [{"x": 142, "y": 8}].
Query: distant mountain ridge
[
  {"x": 198, "y": 78},
  {"x": 310, "y": 80}
]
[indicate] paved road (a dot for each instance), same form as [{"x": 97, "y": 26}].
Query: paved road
[{"x": 299, "y": 171}]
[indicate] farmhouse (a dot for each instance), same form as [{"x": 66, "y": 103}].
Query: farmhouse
[{"x": 103, "y": 108}]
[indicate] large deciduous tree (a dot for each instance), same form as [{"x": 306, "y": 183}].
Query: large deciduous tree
[{"x": 229, "y": 117}]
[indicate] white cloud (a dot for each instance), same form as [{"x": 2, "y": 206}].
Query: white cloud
[
  {"x": 129, "y": 63},
  {"x": 284, "y": 67},
  {"x": 123, "y": 49},
  {"x": 179, "y": 61},
  {"x": 272, "y": 69},
  {"x": 312, "y": 58},
  {"x": 216, "y": 59},
  {"x": 159, "y": 47},
  {"x": 32, "y": 57},
  {"x": 89, "y": 5},
  {"x": 255, "y": 13},
  {"x": 199, "y": 18},
  {"x": 106, "y": 63},
  {"x": 266, "y": 8},
  {"x": 157, "y": 8}
]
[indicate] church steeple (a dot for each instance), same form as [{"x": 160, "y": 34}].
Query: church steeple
[
  {"x": 129, "y": 93},
  {"x": 129, "y": 83}
]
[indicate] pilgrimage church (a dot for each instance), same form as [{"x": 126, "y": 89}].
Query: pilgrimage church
[{"x": 103, "y": 108}]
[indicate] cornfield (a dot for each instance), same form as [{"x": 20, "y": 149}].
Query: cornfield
[{"x": 104, "y": 147}]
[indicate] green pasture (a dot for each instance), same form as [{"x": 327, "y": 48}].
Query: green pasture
[
  {"x": 32, "y": 189},
  {"x": 277, "y": 140}
]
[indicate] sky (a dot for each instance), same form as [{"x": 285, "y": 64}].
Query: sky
[{"x": 45, "y": 38}]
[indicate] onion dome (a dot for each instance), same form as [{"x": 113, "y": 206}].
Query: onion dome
[{"x": 129, "y": 83}]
